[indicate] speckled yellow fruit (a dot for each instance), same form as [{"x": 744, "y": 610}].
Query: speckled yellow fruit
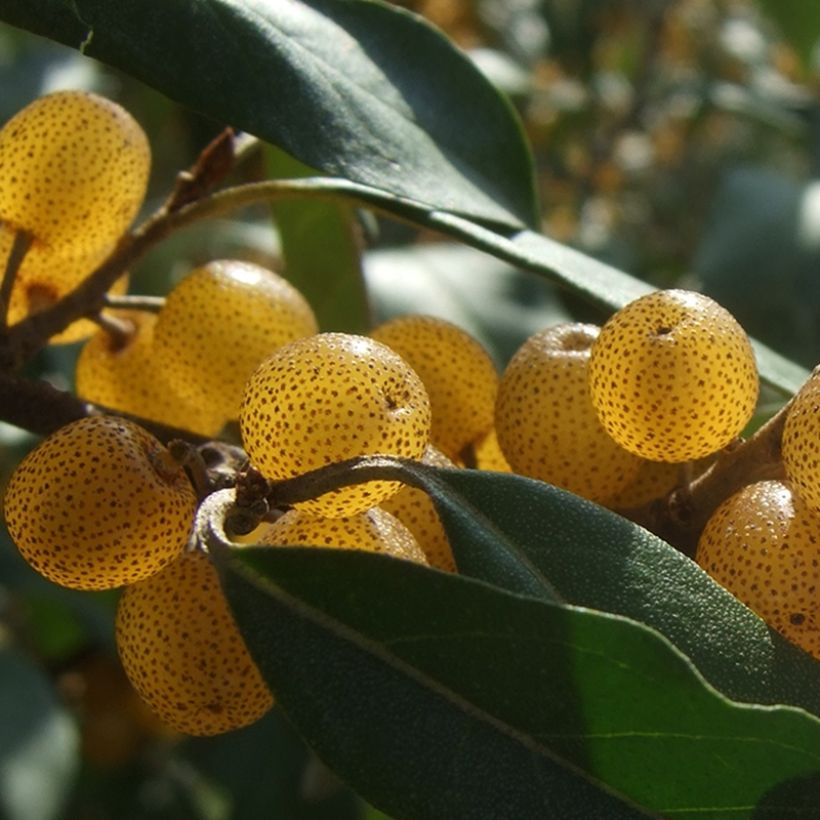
[
  {"x": 219, "y": 323},
  {"x": 763, "y": 545},
  {"x": 673, "y": 376},
  {"x": 415, "y": 509},
  {"x": 546, "y": 425},
  {"x": 122, "y": 374},
  {"x": 801, "y": 442},
  {"x": 184, "y": 654},
  {"x": 99, "y": 504},
  {"x": 488, "y": 454},
  {"x": 328, "y": 398},
  {"x": 459, "y": 375},
  {"x": 73, "y": 172},
  {"x": 373, "y": 530}
]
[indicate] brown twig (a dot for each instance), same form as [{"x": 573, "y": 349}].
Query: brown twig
[{"x": 19, "y": 248}]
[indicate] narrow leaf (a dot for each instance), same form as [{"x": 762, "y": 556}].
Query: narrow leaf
[
  {"x": 356, "y": 88},
  {"x": 438, "y": 696},
  {"x": 519, "y": 533}
]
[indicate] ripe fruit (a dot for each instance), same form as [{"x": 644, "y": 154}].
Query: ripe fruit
[
  {"x": 763, "y": 545},
  {"x": 122, "y": 374},
  {"x": 458, "y": 374},
  {"x": 373, "y": 530},
  {"x": 545, "y": 421},
  {"x": 800, "y": 448},
  {"x": 219, "y": 323},
  {"x": 73, "y": 173},
  {"x": 673, "y": 376},
  {"x": 98, "y": 504},
  {"x": 183, "y": 652},
  {"x": 331, "y": 397},
  {"x": 415, "y": 509},
  {"x": 488, "y": 455}
]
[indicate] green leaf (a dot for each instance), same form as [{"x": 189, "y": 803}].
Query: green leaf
[
  {"x": 438, "y": 696},
  {"x": 39, "y": 743},
  {"x": 528, "y": 536},
  {"x": 356, "y": 88},
  {"x": 322, "y": 245}
]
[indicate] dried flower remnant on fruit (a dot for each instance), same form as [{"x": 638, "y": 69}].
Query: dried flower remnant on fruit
[
  {"x": 546, "y": 425},
  {"x": 763, "y": 545},
  {"x": 99, "y": 504},
  {"x": 184, "y": 654},
  {"x": 673, "y": 376},
  {"x": 458, "y": 374},
  {"x": 328, "y": 398}
]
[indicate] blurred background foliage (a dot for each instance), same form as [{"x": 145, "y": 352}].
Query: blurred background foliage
[{"x": 676, "y": 139}]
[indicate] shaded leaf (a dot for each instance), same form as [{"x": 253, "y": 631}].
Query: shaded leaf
[
  {"x": 438, "y": 696},
  {"x": 356, "y": 88}
]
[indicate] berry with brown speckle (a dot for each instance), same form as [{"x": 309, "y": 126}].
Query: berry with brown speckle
[
  {"x": 328, "y": 398},
  {"x": 183, "y": 652},
  {"x": 801, "y": 442},
  {"x": 546, "y": 425},
  {"x": 458, "y": 374},
  {"x": 98, "y": 504},
  {"x": 219, "y": 323},
  {"x": 763, "y": 545},
  {"x": 673, "y": 376}
]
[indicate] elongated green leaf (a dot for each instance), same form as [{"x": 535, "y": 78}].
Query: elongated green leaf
[
  {"x": 438, "y": 696},
  {"x": 527, "y": 536},
  {"x": 356, "y": 88},
  {"x": 322, "y": 246}
]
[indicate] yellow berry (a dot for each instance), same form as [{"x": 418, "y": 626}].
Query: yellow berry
[
  {"x": 801, "y": 442},
  {"x": 373, "y": 530},
  {"x": 763, "y": 545},
  {"x": 415, "y": 509},
  {"x": 219, "y": 323},
  {"x": 458, "y": 374},
  {"x": 488, "y": 454},
  {"x": 98, "y": 504},
  {"x": 328, "y": 398},
  {"x": 122, "y": 374},
  {"x": 183, "y": 652},
  {"x": 546, "y": 425},
  {"x": 73, "y": 172},
  {"x": 673, "y": 376}
]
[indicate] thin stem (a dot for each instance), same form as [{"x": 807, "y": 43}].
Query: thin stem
[
  {"x": 19, "y": 248},
  {"x": 149, "y": 304},
  {"x": 120, "y": 330}
]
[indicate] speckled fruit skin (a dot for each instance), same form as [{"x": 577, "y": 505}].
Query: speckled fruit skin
[
  {"x": 673, "y": 376},
  {"x": 415, "y": 509},
  {"x": 763, "y": 545},
  {"x": 122, "y": 375},
  {"x": 328, "y": 398},
  {"x": 184, "y": 654},
  {"x": 488, "y": 454},
  {"x": 73, "y": 172},
  {"x": 546, "y": 425},
  {"x": 801, "y": 442},
  {"x": 219, "y": 323},
  {"x": 373, "y": 530},
  {"x": 99, "y": 504},
  {"x": 459, "y": 375}
]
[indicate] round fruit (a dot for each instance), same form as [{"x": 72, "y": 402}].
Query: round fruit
[
  {"x": 183, "y": 652},
  {"x": 122, "y": 374},
  {"x": 99, "y": 504},
  {"x": 801, "y": 442},
  {"x": 219, "y": 323},
  {"x": 673, "y": 376},
  {"x": 488, "y": 454},
  {"x": 415, "y": 509},
  {"x": 458, "y": 374},
  {"x": 763, "y": 545},
  {"x": 73, "y": 173},
  {"x": 331, "y": 397},
  {"x": 546, "y": 425},
  {"x": 373, "y": 530}
]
